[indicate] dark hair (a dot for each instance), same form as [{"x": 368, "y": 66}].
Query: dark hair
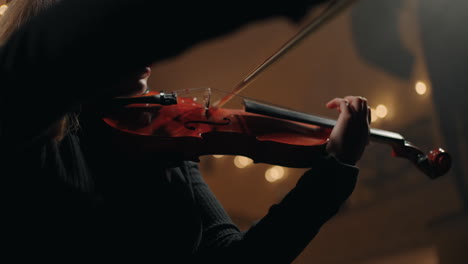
[{"x": 18, "y": 13}]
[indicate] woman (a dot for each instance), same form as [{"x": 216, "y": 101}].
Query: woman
[{"x": 70, "y": 192}]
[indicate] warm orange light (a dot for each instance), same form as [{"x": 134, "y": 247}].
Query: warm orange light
[
  {"x": 381, "y": 111},
  {"x": 242, "y": 162},
  {"x": 421, "y": 88},
  {"x": 218, "y": 156},
  {"x": 3, "y": 8},
  {"x": 274, "y": 173}
]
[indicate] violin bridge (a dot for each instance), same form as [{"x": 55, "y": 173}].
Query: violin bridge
[
  {"x": 207, "y": 101},
  {"x": 207, "y": 98}
]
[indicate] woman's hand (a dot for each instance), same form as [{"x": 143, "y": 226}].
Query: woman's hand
[{"x": 350, "y": 136}]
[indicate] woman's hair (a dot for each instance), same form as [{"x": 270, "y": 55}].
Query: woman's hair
[{"x": 18, "y": 13}]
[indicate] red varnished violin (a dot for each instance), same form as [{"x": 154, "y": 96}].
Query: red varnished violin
[{"x": 186, "y": 127}]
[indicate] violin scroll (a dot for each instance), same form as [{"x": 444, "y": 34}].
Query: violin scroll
[
  {"x": 440, "y": 161},
  {"x": 435, "y": 164}
]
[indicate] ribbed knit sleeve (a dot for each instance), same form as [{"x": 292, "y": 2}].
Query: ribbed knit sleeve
[
  {"x": 289, "y": 226},
  {"x": 218, "y": 228}
]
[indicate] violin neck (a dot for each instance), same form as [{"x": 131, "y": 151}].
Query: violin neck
[
  {"x": 378, "y": 135},
  {"x": 434, "y": 164}
]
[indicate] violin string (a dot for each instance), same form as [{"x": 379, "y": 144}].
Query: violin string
[
  {"x": 334, "y": 8},
  {"x": 208, "y": 92}
]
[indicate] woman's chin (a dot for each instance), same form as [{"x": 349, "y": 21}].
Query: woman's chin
[
  {"x": 142, "y": 87},
  {"x": 136, "y": 84}
]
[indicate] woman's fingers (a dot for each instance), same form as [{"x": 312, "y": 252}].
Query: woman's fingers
[
  {"x": 360, "y": 107},
  {"x": 358, "y": 103},
  {"x": 350, "y": 135},
  {"x": 340, "y": 104}
]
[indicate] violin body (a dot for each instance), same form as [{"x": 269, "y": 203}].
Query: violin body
[{"x": 188, "y": 130}]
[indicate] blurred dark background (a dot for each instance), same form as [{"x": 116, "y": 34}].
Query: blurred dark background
[{"x": 408, "y": 58}]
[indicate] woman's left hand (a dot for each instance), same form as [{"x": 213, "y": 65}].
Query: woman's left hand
[{"x": 350, "y": 136}]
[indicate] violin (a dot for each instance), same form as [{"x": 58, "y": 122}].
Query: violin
[{"x": 187, "y": 127}]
